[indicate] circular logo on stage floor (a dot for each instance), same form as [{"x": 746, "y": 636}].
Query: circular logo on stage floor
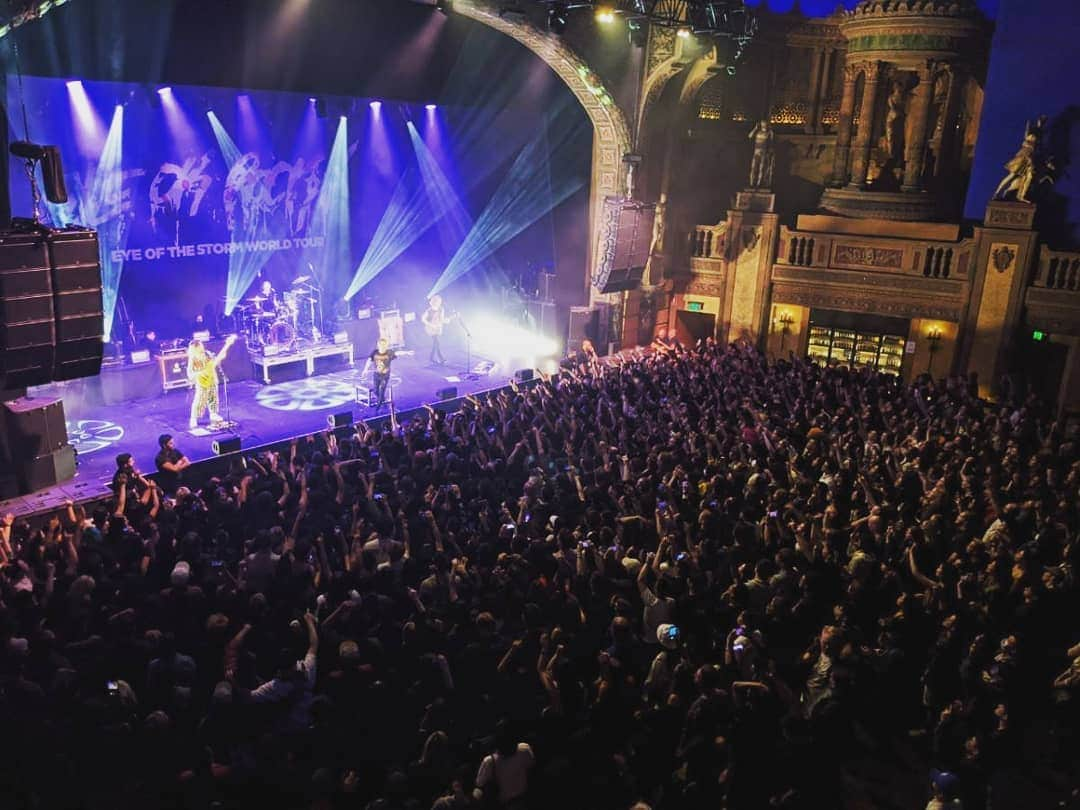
[
  {"x": 90, "y": 435},
  {"x": 315, "y": 394}
]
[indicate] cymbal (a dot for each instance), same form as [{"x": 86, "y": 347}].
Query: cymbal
[
  {"x": 257, "y": 299},
  {"x": 300, "y": 280}
]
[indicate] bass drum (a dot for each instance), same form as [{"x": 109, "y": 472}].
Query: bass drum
[{"x": 281, "y": 333}]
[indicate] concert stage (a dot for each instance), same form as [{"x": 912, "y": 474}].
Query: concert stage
[{"x": 125, "y": 410}]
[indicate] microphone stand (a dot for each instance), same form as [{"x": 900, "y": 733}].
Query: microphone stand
[
  {"x": 467, "y": 374},
  {"x": 229, "y": 424}
]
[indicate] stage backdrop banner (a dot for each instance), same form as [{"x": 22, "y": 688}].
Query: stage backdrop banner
[{"x": 183, "y": 184}]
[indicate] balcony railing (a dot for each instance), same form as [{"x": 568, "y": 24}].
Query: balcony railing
[
  {"x": 937, "y": 260},
  {"x": 707, "y": 241},
  {"x": 1057, "y": 270}
]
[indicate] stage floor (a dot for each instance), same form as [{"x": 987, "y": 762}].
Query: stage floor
[{"x": 262, "y": 413}]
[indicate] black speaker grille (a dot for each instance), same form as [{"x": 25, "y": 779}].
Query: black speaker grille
[{"x": 51, "y": 315}]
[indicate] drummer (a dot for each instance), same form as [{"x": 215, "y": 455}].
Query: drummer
[{"x": 266, "y": 300}]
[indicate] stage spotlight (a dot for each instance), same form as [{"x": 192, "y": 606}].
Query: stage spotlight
[
  {"x": 683, "y": 32},
  {"x": 605, "y": 14},
  {"x": 74, "y": 83},
  {"x": 164, "y": 90},
  {"x": 430, "y": 107},
  {"x": 375, "y": 105},
  {"x": 556, "y": 18}
]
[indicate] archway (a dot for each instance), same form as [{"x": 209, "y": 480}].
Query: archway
[{"x": 611, "y": 136}]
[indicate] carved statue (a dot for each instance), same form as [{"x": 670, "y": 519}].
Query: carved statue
[
  {"x": 1026, "y": 165},
  {"x": 659, "y": 223},
  {"x": 761, "y": 164},
  {"x": 894, "y": 122}
]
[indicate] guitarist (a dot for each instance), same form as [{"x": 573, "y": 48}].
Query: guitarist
[
  {"x": 434, "y": 320},
  {"x": 202, "y": 371}
]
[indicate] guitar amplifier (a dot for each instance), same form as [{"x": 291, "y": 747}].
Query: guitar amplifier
[
  {"x": 173, "y": 365},
  {"x": 392, "y": 328}
]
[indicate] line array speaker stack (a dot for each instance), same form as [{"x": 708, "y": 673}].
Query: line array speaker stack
[
  {"x": 626, "y": 241},
  {"x": 51, "y": 326},
  {"x": 80, "y": 320},
  {"x": 51, "y": 317}
]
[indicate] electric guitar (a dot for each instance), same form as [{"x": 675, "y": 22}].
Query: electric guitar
[
  {"x": 435, "y": 327},
  {"x": 206, "y": 375}
]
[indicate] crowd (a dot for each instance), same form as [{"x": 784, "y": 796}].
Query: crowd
[{"x": 682, "y": 578}]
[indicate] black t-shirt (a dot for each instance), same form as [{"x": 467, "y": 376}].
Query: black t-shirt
[
  {"x": 167, "y": 479},
  {"x": 382, "y": 360}
]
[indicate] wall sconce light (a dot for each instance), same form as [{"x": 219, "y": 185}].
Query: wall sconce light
[
  {"x": 933, "y": 336},
  {"x": 785, "y": 319}
]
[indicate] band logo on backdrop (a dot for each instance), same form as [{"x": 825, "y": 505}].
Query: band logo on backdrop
[{"x": 278, "y": 201}]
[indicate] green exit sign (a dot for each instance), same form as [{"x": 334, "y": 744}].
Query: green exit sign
[
  {"x": 1038, "y": 336},
  {"x": 695, "y": 306}
]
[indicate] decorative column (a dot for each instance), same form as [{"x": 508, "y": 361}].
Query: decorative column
[
  {"x": 843, "y": 126},
  {"x": 915, "y": 151},
  {"x": 813, "y": 112},
  {"x": 864, "y": 141},
  {"x": 950, "y": 113}
]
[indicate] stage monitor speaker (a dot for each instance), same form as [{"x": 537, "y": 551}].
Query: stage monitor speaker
[
  {"x": 625, "y": 244},
  {"x": 27, "y": 320},
  {"x": 524, "y": 374},
  {"x": 336, "y": 420},
  {"x": 48, "y": 469},
  {"x": 35, "y": 426},
  {"x": 443, "y": 394},
  {"x": 80, "y": 322},
  {"x": 227, "y": 445}
]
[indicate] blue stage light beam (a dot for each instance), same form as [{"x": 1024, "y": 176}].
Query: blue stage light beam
[
  {"x": 411, "y": 211},
  {"x": 521, "y": 199},
  {"x": 331, "y": 218},
  {"x": 456, "y": 222},
  {"x": 245, "y": 261},
  {"x": 103, "y": 210},
  {"x": 229, "y": 150},
  {"x": 405, "y": 218}
]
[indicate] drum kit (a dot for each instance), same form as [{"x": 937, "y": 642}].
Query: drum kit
[{"x": 281, "y": 322}]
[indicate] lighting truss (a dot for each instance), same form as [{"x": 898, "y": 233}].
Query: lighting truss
[
  {"x": 21, "y": 12},
  {"x": 718, "y": 18}
]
